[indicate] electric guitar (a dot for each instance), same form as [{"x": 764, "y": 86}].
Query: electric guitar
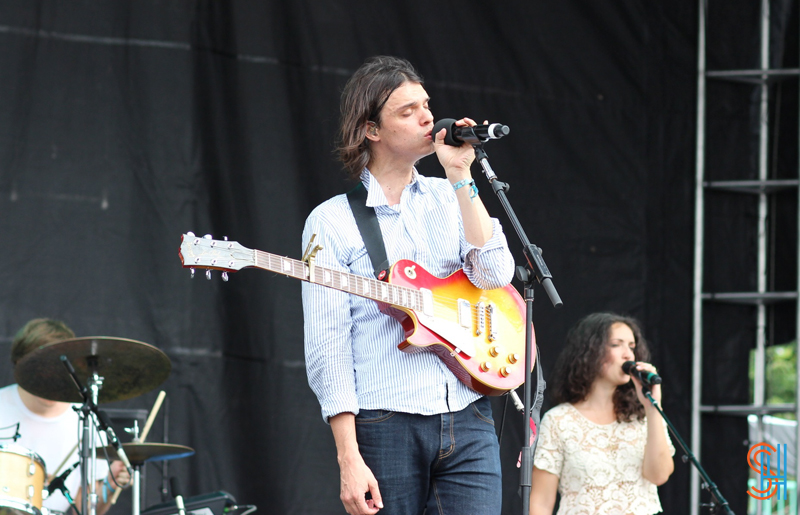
[{"x": 479, "y": 334}]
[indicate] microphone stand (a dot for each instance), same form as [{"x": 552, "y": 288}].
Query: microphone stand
[
  {"x": 535, "y": 269},
  {"x": 88, "y": 454},
  {"x": 58, "y": 484},
  {"x": 718, "y": 501}
]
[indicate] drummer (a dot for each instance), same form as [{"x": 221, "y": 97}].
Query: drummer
[{"x": 51, "y": 428}]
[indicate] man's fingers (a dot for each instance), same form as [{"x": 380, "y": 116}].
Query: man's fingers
[
  {"x": 376, "y": 494},
  {"x": 466, "y": 121}
]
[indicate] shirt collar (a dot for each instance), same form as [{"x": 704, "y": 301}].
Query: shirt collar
[{"x": 375, "y": 196}]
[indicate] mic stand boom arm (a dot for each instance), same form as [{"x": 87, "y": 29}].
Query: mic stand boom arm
[
  {"x": 536, "y": 269},
  {"x": 719, "y": 501}
]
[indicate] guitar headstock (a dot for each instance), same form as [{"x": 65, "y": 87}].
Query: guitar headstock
[{"x": 205, "y": 252}]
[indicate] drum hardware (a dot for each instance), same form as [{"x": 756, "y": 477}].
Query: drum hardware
[
  {"x": 91, "y": 417},
  {"x": 111, "y": 369},
  {"x": 16, "y": 433},
  {"x": 140, "y": 453},
  {"x": 130, "y": 368}
]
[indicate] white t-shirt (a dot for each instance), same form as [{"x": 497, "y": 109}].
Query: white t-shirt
[{"x": 50, "y": 438}]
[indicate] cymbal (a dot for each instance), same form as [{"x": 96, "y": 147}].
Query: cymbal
[
  {"x": 128, "y": 368},
  {"x": 139, "y": 453}
]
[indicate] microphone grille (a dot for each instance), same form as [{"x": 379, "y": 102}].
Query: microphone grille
[
  {"x": 175, "y": 486},
  {"x": 449, "y": 124},
  {"x": 628, "y": 366}
]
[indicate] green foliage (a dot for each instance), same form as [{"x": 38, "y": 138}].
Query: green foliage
[{"x": 781, "y": 375}]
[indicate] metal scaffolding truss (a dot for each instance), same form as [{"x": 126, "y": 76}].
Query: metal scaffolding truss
[{"x": 765, "y": 190}]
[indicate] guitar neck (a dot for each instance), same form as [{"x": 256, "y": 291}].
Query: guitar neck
[{"x": 366, "y": 287}]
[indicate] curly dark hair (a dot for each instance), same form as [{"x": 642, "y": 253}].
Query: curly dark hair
[
  {"x": 363, "y": 97},
  {"x": 580, "y": 363}
]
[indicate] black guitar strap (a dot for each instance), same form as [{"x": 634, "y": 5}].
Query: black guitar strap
[{"x": 367, "y": 222}]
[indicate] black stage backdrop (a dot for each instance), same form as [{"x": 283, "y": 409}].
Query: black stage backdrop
[{"x": 125, "y": 124}]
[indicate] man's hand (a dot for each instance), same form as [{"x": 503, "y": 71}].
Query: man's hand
[
  {"x": 455, "y": 160},
  {"x": 119, "y": 472},
  {"x": 356, "y": 480}
]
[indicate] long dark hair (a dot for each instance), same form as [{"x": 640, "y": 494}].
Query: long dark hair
[
  {"x": 580, "y": 363},
  {"x": 363, "y": 97}
]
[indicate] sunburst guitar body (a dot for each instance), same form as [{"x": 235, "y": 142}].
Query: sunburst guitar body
[{"x": 479, "y": 334}]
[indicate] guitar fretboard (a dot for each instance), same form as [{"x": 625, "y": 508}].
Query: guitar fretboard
[{"x": 357, "y": 285}]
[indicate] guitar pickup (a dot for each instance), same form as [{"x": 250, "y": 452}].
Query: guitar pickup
[
  {"x": 427, "y": 301},
  {"x": 464, "y": 313}
]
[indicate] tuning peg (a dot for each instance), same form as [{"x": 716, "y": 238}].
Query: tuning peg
[
  {"x": 192, "y": 273},
  {"x": 208, "y": 274},
  {"x": 225, "y": 276},
  {"x": 190, "y": 234},
  {"x": 208, "y": 237}
]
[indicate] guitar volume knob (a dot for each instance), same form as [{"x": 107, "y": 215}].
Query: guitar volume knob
[
  {"x": 486, "y": 366},
  {"x": 513, "y": 358},
  {"x": 505, "y": 372}
]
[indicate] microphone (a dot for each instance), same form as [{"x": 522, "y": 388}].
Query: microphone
[
  {"x": 105, "y": 425},
  {"x": 176, "y": 493},
  {"x": 456, "y": 135},
  {"x": 58, "y": 483},
  {"x": 645, "y": 376}
]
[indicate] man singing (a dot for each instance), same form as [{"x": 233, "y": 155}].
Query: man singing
[{"x": 410, "y": 437}]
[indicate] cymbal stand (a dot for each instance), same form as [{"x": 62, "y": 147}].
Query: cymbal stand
[
  {"x": 136, "y": 478},
  {"x": 91, "y": 416},
  {"x": 87, "y": 412}
]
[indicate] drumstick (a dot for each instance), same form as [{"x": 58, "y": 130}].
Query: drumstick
[
  {"x": 152, "y": 416},
  {"x": 66, "y": 459},
  {"x": 148, "y": 423}
]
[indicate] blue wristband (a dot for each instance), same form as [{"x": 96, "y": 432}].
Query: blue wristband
[
  {"x": 106, "y": 488},
  {"x": 473, "y": 190}
]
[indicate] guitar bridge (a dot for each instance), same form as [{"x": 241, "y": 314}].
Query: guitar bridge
[
  {"x": 490, "y": 316},
  {"x": 480, "y": 328}
]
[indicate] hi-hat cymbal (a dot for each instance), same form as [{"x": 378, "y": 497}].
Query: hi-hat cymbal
[
  {"x": 128, "y": 368},
  {"x": 139, "y": 453}
]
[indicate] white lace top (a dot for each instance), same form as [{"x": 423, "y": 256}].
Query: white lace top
[{"x": 599, "y": 466}]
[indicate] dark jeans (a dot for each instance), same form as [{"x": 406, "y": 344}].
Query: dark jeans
[{"x": 448, "y": 464}]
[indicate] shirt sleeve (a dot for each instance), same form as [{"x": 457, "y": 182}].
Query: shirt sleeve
[
  {"x": 491, "y": 266},
  {"x": 549, "y": 451},
  {"x": 327, "y": 328}
]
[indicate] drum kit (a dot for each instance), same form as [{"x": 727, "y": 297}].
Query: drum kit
[{"x": 87, "y": 371}]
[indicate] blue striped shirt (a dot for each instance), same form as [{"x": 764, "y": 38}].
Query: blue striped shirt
[{"x": 351, "y": 353}]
